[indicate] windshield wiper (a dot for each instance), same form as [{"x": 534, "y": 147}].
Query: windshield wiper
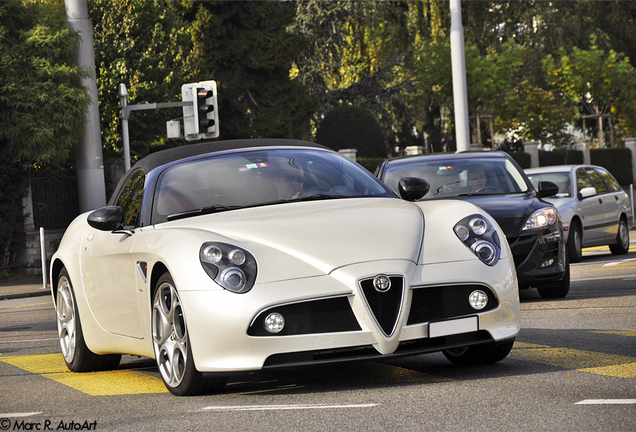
[{"x": 201, "y": 211}]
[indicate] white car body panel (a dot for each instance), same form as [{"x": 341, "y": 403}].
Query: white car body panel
[{"x": 291, "y": 269}]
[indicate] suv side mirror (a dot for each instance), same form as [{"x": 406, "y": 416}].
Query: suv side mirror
[{"x": 412, "y": 188}]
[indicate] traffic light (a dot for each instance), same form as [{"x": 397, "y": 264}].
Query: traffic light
[{"x": 201, "y": 119}]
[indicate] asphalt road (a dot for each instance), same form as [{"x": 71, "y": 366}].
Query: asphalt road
[{"x": 573, "y": 367}]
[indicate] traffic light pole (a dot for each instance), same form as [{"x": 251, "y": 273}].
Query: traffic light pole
[{"x": 125, "y": 114}]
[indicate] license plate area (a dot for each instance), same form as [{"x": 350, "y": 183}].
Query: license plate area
[{"x": 452, "y": 327}]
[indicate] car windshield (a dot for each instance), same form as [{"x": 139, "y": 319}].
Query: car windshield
[
  {"x": 259, "y": 177},
  {"x": 461, "y": 177},
  {"x": 561, "y": 179}
]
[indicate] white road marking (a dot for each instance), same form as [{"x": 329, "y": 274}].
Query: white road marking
[
  {"x": 607, "y": 402},
  {"x": 13, "y": 415},
  {"x": 283, "y": 407}
]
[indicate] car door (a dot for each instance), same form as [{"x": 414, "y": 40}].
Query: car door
[
  {"x": 612, "y": 202},
  {"x": 591, "y": 209},
  {"x": 109, "y": 272}
]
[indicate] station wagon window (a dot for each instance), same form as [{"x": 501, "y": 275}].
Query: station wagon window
[
  {"x": 597, "y": 181},
  {"x": 131, "y": 197},
  {"x": 611, "y": 181},
  {"x": 582, "y": 180}
]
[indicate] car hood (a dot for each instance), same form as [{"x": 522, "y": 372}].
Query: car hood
[
  {"x": 510, "y": 211},
  {"x": 313, "y": 238}
]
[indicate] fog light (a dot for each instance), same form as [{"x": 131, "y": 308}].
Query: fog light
[
  {"x": 478, "y": 299},
  {"x": 274, "y": 323},
  {"x": 547, "y": 263}
]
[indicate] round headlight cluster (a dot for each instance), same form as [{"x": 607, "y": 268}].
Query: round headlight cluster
[
  {"x": 480, "y": 236},
  {"x": 230, "y": 266}
]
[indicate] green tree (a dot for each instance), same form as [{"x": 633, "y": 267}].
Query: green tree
[
  {"x": 352, "y": 127},
  {"x": 42, "y": 104},
  {"x": 247, "y": 49},
  {"x": 597, "y": 81},
  {"x": 146, "y": 46}
]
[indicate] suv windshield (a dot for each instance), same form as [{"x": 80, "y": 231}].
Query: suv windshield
[
  {"x": 258, "y": 177},
  {"x": 460, "y": 177}
]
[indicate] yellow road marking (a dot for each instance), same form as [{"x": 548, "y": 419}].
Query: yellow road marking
[
  {"x": 618, "y": 332},
  {"x": 115, "y": 382},
  {"x": 584, "y": 361}
]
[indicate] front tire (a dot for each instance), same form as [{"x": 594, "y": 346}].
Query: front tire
[
  {"x": 77, "y": 356},
  {"x": 477, "y": 355},
  {"x": 172, "y": 344},
  {"x": 575, "y": 250},
  {"x": 622, "y": 239},
  {"x": 560, "y": 290}
]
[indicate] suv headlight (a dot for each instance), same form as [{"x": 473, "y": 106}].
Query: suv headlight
[
  {"x": 232, "y": 267},
  {"x": 541, "y": 218},
  {"x": 480, "y": 237}
]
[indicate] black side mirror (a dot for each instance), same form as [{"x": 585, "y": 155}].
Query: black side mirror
[
  {"x": 412, "y": 188},
  {"x": 107, "y": 218},
  {"x": 547, "y": 189}
]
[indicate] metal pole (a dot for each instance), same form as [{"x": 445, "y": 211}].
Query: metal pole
[
  {"x": 460, "y": 92},
  {"x": 43, "y": 257},
  {"x": 123, "y": 93},
  {"x": 89, "y": 164}
]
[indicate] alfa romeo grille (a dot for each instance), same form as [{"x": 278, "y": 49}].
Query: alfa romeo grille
[{"x": 385, "y": 305}]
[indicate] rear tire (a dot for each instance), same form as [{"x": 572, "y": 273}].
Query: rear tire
[
  {"x": 476, "y": 355},
  {"x": 622, "y": 239}
]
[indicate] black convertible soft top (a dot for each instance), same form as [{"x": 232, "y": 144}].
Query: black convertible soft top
[{"x": 162, "y": 157}]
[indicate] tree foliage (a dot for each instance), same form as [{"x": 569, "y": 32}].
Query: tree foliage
[
  {"x": 352, "y": 127},
  {"x": 42, "y": 102},
  {"x": 246, "y": 48}
]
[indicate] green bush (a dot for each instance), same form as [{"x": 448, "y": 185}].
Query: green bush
[
  {"x": 370, "y": 163},
  {"x": 560, "y": 157},
  {"x": 523, "y": 159}
]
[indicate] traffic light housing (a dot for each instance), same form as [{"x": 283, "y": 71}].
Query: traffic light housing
[{"x": 201, "y": 119}]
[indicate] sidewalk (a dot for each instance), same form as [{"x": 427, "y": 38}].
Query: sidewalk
[{"x": 22, "y": 287}]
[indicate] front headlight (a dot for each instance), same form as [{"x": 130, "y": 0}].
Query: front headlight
[
  {"x": 541, "y": 218},
  {"x": 480, "y": 237},
  {"x": 232, "y": 267}
]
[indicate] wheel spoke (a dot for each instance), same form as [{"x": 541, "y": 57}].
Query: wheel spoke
[
  {"x": 169, "y": 335},
  {"x": 66, "y": 326}
]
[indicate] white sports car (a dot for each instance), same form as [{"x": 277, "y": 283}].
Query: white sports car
[{"x": 235, "y": 256}]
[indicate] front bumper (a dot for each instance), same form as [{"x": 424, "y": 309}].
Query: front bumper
[
  {"x": 540, "y": 257},
  {"x": 226, "y": 335}
]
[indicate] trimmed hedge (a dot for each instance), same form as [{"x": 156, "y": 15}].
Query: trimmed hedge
[
  {"x": 618, "y": 161},
  {"x": 370, "y": 163},
  {"x": 560, "y": 157}
]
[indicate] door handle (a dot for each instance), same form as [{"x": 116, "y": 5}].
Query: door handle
[{"x": 600, "y": 200}]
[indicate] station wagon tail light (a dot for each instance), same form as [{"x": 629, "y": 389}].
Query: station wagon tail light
[
  {"x": 540, "y": 219},
  {"x": 480, "y": 237},
  {"x": 232, "y": 267}
]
